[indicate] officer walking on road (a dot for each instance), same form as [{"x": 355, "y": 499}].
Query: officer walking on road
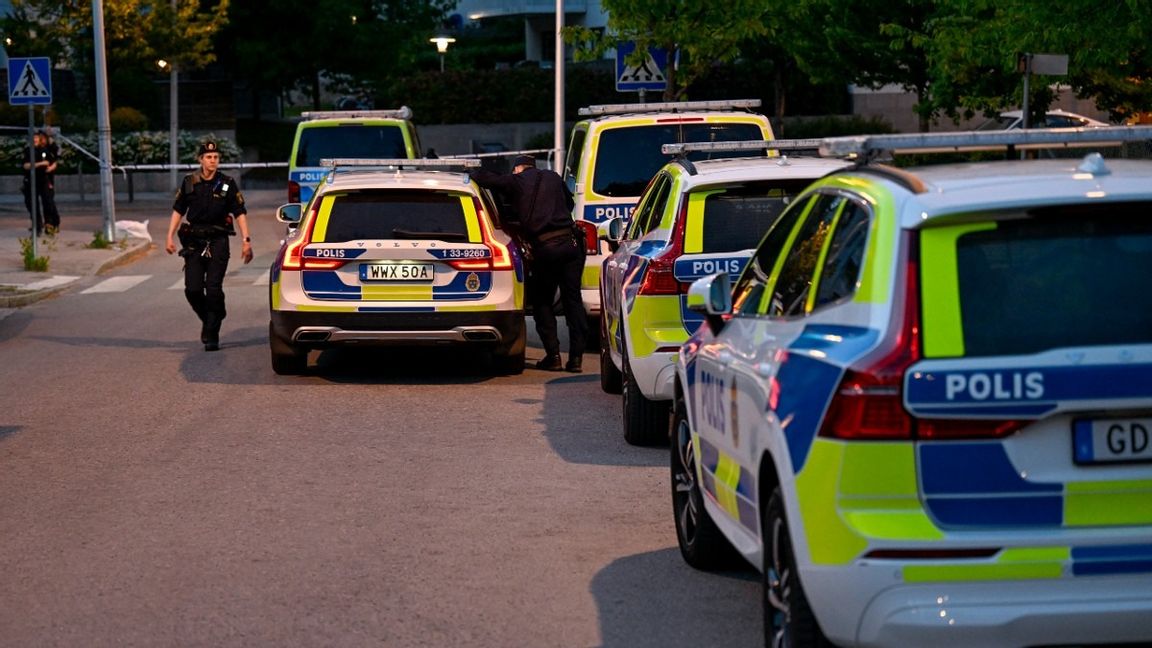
[
  {"x": 211, "y": 201},
  {"x": 544, "y": 205}
]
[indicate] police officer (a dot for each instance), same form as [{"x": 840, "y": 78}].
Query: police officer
[
  {"x": 544, "y": 205},
  {"x": 212, "y": 201},
  {"x": 42, "y": 157}
]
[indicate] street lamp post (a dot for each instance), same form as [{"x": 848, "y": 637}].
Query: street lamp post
[
  {"x": 442, "y": 41},
  {"x": 173, "y": 118}
]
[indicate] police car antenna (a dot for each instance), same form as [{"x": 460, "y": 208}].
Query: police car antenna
[
  {"x": 868, "y": 147},
  {"x": 668, "y": 106},
  {"x": 403, "y": 112}
]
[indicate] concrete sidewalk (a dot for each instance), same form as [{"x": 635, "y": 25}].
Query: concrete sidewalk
[{"x": 69, "y": 253}]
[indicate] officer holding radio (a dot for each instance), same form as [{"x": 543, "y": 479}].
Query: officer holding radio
[
  {"x": 211, "y": 201},
  {"x": 544, "y": 205}
]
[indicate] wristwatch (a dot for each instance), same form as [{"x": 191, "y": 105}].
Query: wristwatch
[{"x": 247, "y": 239}]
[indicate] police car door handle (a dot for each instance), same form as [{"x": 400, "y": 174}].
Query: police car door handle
[
  {"x": 764, "y": 369},
  {"x": 724, "y": 357}
]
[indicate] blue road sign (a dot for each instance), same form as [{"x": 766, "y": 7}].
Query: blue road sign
[
  {"x": 29, "y": 81},
  {"x": 648, "y": 75}
]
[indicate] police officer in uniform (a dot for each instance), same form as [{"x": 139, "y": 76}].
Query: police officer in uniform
[
  {"x": 212, "y": 202},
  {"x": 544, "y": 205}
]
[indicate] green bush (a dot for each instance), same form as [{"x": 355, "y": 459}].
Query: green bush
[
  {"x": 126, "y": 120},
  {"x": 833, "y": 126},
  {"x": 145, "y": 147}
]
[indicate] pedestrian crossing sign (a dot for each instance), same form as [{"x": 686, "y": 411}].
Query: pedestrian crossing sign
[
  {"x": 649, "y": 74},
  {"x": 29, "y": 81}
]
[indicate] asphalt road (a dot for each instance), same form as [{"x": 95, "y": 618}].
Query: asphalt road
[{"x": 152, "y": 494}]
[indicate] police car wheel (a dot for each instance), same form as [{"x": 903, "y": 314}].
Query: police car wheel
[
  {"x": 287, "y": 359},
  {"x": 788, "y": 618},
  {"x": 610, "y": 379},
  {"x": 511, "y": 362},
  {"x": 645, "y": 421},
  {"x": 701, "y": 544}
]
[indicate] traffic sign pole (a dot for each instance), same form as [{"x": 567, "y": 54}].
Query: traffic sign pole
[{"x": 34, "y": 199}]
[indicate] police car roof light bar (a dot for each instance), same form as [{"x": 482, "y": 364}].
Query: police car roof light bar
[
  {"x": 668, "y": 106},
  {"x": 400, "y": 163},
  {"x": 743, "y": 145},
  {"x": 403, "y": 112},
  {"x": 868, "y": 146}
]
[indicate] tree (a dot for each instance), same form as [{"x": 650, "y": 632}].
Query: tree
[
  {"x": 347, "y": 45},
  {"x": 695, "y": 34}
]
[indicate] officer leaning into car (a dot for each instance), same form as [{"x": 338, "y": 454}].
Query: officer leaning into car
[
  {"x": 211, "y": 201},
  {"x": 544, "y": 205}
]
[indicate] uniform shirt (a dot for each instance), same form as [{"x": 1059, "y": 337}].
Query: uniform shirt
[
  {"x": 42, "y": 153},
  {"x": 209, "y": 202},
  {"x": 553, "y": 207}
]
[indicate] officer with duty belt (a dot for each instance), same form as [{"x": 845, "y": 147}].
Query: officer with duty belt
[
  {"x": 544, "y": 205},
  {"x": 211, "y": 201}
]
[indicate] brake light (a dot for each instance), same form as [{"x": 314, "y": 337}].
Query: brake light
[
  {"x": 501, "y": 258},
  {"x": 294, "y": 258},
  {"x": 591, "y": 237},
  {"x": 659, "y": 276},
  {"x": 293, "y": 191},
  {"x": 869, "y": 402}
]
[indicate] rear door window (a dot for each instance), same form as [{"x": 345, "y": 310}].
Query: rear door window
[
  {"x": 384, "y": 215},
  {"x": 736, "y": 218},
  {"x": 349, "y": 141},
  {"x": 628, "y": 157},
  {"x": 1050, "y": 278}
]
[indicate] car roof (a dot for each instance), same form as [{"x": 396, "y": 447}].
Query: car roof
[
  {"x": 431, "y": 175},
  {"x": 1017, "y": 114},
  {"x": 1016, "y": 184},
  {"x": 759, "y": 168},
  {"x": 674, "y": 110}
]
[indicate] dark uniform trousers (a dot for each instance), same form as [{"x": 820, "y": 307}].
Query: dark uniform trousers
[
  {"x": 559, "y": 263},
  {"x": 204, "y": 280}
]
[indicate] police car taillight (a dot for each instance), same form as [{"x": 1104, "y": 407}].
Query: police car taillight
[
  {"x": 294, "y": 258},
  {"x": 591, "y": 238},
  {"x": 501, "y": 258},
  {"x": 868, "y": 403},
  {"x": 293, "y": 191},
  {"x": 660, "y": 274}
]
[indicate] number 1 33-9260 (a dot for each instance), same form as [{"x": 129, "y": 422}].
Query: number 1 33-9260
[{"x": 1112, "y": 440}]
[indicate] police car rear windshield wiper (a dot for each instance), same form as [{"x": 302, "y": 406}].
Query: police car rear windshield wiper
[{"x": 439, "y": 236}]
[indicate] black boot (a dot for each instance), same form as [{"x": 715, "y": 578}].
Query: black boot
[
  {"x": 575, "y": 364},
  {"x": 550, "y": 363},
  {"x": 210, "y": 334}
]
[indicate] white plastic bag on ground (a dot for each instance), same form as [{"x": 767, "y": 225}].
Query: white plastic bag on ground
[{"x": 135, "y": 229}]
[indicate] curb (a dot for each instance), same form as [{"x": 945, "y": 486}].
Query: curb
[
  {"x": 19, "y": 298},
  {"x": 135, "y": 251}
]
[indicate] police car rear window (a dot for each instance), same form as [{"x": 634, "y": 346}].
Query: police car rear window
[
  {"x": 349, "y": 141},
  {"x": 627, "y": 158},
  {"x": 396, "y": 215},
  {"x": 738, "y": 218},
  {"x": 1066, "y": 277}
]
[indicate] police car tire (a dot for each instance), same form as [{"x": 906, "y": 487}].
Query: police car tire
[
  {"x": 511, "y": 363},
  {"x": 610, "y": 380},
  {"x": 287, "y": 360},
  {"x": 795, "y": 624},
  {"x": 645, "y": 421},
  {"x": 702, "y": 545}
]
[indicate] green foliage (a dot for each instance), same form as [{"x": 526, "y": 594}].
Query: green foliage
[
  {"x": 145, "y": 147},
  {"x": 32, "y": 263},
  {"x": 699, "y": 33},
  {"x": 99, "y": 242},
  {"x": 125, "y": 119}
]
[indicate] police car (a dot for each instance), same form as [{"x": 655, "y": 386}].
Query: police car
[
  {"x": 400, "y": 252},
  {"x": 923, "y": 408},
  {"x": 615, "y": 149},
  {"x": 693, "y": 220},
  {"x": 346, "y": 134}
]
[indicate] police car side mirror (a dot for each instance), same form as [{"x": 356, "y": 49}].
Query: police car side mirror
[
  {"x": 712, "y": 297},
  {"x": 614, "y": 230},
  {"x": 290, "y": 214}
]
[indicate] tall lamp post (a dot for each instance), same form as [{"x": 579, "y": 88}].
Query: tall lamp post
[
  {"x": 173, "y": 118},
  {"x": 442, "y": 42}
]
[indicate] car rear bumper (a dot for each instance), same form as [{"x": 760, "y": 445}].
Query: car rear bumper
[
  {"x": 318, "y": 330},
  {"x": 1063, "y": 611}
]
